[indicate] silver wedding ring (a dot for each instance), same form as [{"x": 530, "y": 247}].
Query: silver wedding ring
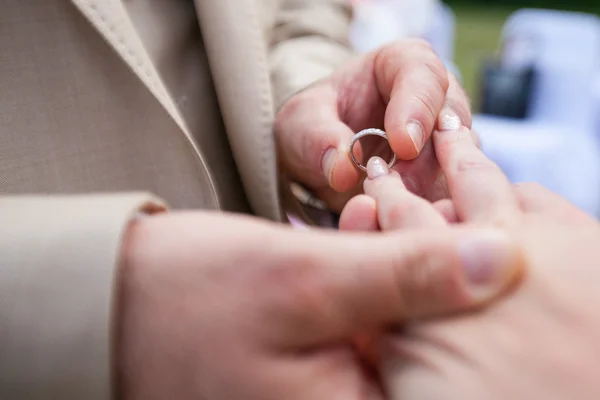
[{"x": 362, "y": 134}]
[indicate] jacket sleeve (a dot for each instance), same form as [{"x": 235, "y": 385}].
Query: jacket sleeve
[
  {"x": 309, "y": 41},
  {"x": 58, "y": 264}
]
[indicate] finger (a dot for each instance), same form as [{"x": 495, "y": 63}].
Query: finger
[
  {"x": 457, "y": 101},
  {"x": 336, "y": 286},
  {"x": 413, "y": 81},
  {"x": 360, "y": 214},
  {"x": 397, "y": 208},
  {"x": 446, "y": 209},
  {"x": 480, "y": 191},
  {"x": 313, "y": 143},
  {"x": 439, "y": 189}
]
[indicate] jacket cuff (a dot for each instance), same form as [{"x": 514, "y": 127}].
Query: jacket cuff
[
  {"x": 301, "y": 209},
  {"x": 58, "y": 259}
]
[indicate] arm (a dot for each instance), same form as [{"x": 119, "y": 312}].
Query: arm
[
  {"x": 309, "y": 41},
  {"x": 58, "y": 265}
]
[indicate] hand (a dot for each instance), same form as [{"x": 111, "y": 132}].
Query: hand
[
  {"x": 401, "y": 88},
  {"x": 539, "y": 343},
  {"x": 219, "y": 307}
]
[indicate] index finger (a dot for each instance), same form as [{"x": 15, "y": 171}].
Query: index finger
[
  {"x": 398, "y": 208},
  {"x": 413, "y": 81},
  {"x": 480, "y": 190}
]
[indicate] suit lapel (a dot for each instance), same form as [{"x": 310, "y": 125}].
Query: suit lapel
[
  {"x": 237, "y": 53},
  {"x": 110, "y": 19}
]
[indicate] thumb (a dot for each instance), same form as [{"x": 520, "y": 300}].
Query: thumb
[
  {"x": 357, "y": 283},
  {"x": 313, "y": 142}
]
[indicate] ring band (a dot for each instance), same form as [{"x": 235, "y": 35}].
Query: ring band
[{"x": 362, "y": 134}]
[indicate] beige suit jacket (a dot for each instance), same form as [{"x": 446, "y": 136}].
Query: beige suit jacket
[{"x": 106, "y": 106}]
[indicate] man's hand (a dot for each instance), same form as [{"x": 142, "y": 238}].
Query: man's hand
[
  {"x": 541, "y": 342},
  {"x": 400, "y": 88},
  {"x": 221, "y": 307}
]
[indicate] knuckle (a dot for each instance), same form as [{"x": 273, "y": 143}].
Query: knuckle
[
  {"x": 287, "y": 109},
  {"x": 530, "y": 195},
  {"x": 428, "y": 277},
  {"x": 392, "y": 49},
  {"x": 455, "y": 143},
  {"x": 499, "y": 218},
  {"x": 427, "y": 101},
  {"x": 390, "y": 52},
  {"x": 413, "y": 51},
  {"x": 438, "y": 71},
  {"x": 447, "y": 145},
  {"x": 408, "y": 45},
  {"x": 396, "y": 214},
  {"x": 474, "y": 163},
  {"x": 421, "y": 45},
  {"x": 294, "y": 286}
]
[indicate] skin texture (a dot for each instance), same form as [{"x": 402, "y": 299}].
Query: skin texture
[
  {"x": 251, "y": 310},
  {"x": 539, "y": 342},
  {"x": 216, "y": 306},
  {"x": 399, "y": 86}
]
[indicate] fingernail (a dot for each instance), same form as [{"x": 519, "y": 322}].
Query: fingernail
[
  {"x": 328, "y": 162},
  {"x": 449, "y": 120},
  {"x": 376, "y": 167},
  {"x": 491, "y": 262},
  {"x": 415, "y": 131}
]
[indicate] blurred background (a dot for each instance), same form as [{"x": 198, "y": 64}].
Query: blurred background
[
  {"x": 532, "y": 70},
  {"x": 479, "y": 26}
]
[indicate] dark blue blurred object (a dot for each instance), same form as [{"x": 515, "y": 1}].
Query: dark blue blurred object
[{"x": 506, "y": 92}]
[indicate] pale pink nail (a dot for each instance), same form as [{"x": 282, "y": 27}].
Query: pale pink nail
[
  {"x": 449, "y": 120},
  {"x": 377, "y": 167}
]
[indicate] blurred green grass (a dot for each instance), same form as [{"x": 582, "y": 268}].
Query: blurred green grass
[{"x": 478, "y": 30}]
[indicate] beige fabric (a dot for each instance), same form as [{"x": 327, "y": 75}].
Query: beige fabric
[
  {"x": 75, "y": 119},
  {"x": 170, "y": 97},
  {"x": 56, "y": 293},
  {"x": 309, "y": 36}
]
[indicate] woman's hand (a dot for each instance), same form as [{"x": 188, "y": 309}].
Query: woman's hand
[{"x": 540, "y": 342}]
